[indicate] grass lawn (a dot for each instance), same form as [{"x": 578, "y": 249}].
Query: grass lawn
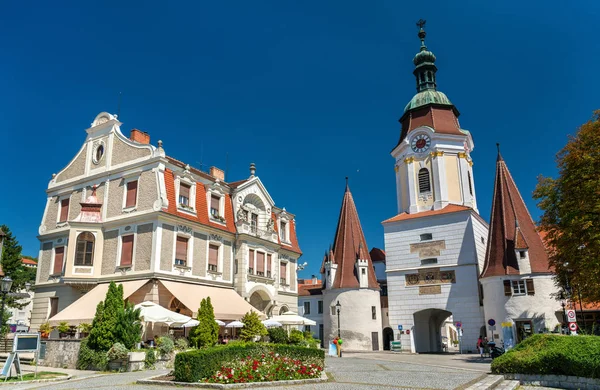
[{"x": 40, "y": 375}]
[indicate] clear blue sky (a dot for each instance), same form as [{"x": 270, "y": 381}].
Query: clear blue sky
[{"x": 309, "y": 91}]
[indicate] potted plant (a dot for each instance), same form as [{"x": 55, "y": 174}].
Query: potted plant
[
  {"x": 63, "y": 328},
  {"x": 45, "y": 330},
  {"x": 84, "y": 329},
  {"x": 117, "y": 357}
]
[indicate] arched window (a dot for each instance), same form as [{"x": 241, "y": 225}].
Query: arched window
[
  {"x": 84, "y": 254},
  {"x": 470, "y": 184},
  {"x": 424, "y": 182}
]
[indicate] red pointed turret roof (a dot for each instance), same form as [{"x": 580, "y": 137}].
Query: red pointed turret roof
[
  {"x": 349, "y": 245},
  {"x": 511, "y": 228}
]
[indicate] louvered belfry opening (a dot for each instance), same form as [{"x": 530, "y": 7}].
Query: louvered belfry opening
[{"x": 424, "y": 182}]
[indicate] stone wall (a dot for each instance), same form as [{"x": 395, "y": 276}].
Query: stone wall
[
  {"x": 558, "y": 381},
  {"x": 61, "y": 353}
]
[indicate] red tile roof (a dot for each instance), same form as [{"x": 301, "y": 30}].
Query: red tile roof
[
  {"x": 451, "y": 208},
  {"x": 28, "y": 261},
  {"x": 349, "y": 245},
  {"x": 201, "y": 215},
  {"x": 442, "y": 119},
  {"x": 511, "y": 228},
  {"x": 307, "y": 289},
  {"x": 377, "y": 255},
  {"x": 236, "y": 184}
]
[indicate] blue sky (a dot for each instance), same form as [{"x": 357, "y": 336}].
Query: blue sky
[{"x": 309, "y": 91}]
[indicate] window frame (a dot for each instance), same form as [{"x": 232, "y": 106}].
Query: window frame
[
  {"x": 126, "y": 181},
  {"x": 283, "y": 279},
  {"x": 517, "y": 292},
  {"x": 61, "y": 199},
  {"x": 264, "y": 263},
  {"x": 219, "y": 265},
  {"x": 51, "y": 307},
  {"x": 62, "y": 268},
  {"x": 189, "y": 250},
  {"x": 306, "y": 304},
  {"x": 120, "y": 249},
  {"x": 191, "y": 206},
  {"x": 75, "y": 263},
  {"x": 373, "y": 312},
  {"x": 319, "y": 307},
  {"x": 251, "y": 261},
  {"x": 426, "y": 236}
]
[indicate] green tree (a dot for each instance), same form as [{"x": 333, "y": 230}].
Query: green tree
[
  {"x": 278, "y": 335},
  {"x": 571, "y": 212},
  {"x": 252, "y": 327},
  {"x": 103, "y": 333},
  {"x": 128, "y": 330},
  {"x": 206, "y": 333}
]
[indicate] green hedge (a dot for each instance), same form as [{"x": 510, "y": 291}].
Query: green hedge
[
  {"x": 192, "y": 366},
  {"x": 552, "y": 355}
]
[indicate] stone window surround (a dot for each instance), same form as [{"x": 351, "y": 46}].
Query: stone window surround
[
  {"x": 54, "y": 246},
  {"x": 253, "y": 261},
  {"x": 192, "y": 183},
  {"x": 94, "y": 259},
  {"x": 218, "y": 192},
  {"x": 62, "y": 196},
  {"x": 123, "y": 232},
  {"x": 126, "y": 179},
  {"x": 220, "y": 265},
  {"x": 287, "y": 273},
  {"x": 190, "y": 250},
  {"x": 283, "y": 217}
]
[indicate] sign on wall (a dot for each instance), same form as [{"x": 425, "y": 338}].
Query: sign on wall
[
  {"x": 428, "y": 249},
  {"x": 430, "y": 276}
]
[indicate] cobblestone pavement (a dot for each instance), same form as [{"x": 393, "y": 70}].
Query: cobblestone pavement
[{"x": 348, "y": 373}]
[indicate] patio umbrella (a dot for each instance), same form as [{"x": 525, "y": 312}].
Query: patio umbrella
[
  {"x": 191, "y": 323},
  {"x": 235, "y": 324},
  {"x": 152, "y": 312},
  {"x": 291, "y": 318},
  {"x": 272, "y": 324}
]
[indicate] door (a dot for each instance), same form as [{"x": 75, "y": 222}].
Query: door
[
  {"x": 524, "y": 330},
  {"x": 375, "y": 340},
  {"x": 321, "y": 334}
]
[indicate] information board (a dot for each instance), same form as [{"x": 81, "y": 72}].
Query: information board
[
  {"x": 396, "y": 346},
  {"x": 26, "y": 342}
]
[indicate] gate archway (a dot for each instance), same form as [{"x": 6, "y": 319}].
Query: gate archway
[{"x": 427, "y": 332}]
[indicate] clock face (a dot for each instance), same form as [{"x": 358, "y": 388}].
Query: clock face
[{"x": 420, "y": 143}]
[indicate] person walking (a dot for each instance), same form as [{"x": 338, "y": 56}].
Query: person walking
[{"x": 480, "y": 346}]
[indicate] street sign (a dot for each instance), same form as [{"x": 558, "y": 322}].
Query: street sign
[
  {"x": 458, "y": 324},
  {"x": 491, "y": 322},
  {"x": 573, "y": 326},
  {"x": 399, "y": 327},
  {"x": 571, "y": 316}
]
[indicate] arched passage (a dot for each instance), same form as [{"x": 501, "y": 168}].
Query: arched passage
[
  {"x": 260, "y": 300},
  {"x": 388, "y": 337},
  {"x": 427, "y": 332}
]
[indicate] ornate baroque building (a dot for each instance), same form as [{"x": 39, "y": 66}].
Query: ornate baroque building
[{"x": 124, "y": 211}]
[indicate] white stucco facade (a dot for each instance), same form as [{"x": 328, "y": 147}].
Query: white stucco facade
[{"x": 313, "y": 314}]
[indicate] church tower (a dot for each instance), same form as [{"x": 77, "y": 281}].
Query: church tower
[
  {"x": 433, "y": 163},
  {"x": 435, "y": 245}
]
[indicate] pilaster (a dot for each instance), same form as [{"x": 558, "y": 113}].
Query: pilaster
[
  {"x": 440, "y": 185},
  {"x": 412, "y": 192}
]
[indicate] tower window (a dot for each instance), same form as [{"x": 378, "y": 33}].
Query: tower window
[
  {"x": 470, "y": 184},
  {"x": 426, "y": 236},
  {"x": 84, "y": 251},
  {"x": 424, "y": 182},
  {"x": 428, "y": 261}
]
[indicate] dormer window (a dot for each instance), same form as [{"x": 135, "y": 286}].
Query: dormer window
[
  {"x": 522, "y": 254},
  {"x": 283, "y": 230},
  {"x": 214, "y": 205},
  {"x": 254, "y": 222},
  {"x": 184, "y": 194}
]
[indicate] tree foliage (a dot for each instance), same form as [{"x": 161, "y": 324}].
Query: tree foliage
[
  {"x": 252, "y": 327},
  {"x": 206, "y": 334},
  {"x": 103, "y": 333},
  {"x": 128, "y": 329},
  {"x": 14, "y": 268},
  {"x": 571, "y": 212}
]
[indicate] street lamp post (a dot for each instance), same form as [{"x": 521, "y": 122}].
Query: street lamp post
[
  {"x": 337, "y": 305},
  {"x": 5, "y": 286},
  {"x": 563, "y": 303}
]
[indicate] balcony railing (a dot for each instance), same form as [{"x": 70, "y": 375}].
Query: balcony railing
[{"x": 247, "y": 228}]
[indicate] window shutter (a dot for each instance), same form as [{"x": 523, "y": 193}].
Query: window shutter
[
  {"x": 268, "y": 263},
  {"x": 260, "y": 262},
  {"x": 59, "y": 255},
  {"x": 64, "y": 210},
  {"x": 507, "y": 288},
  {"x": 283, "y": 271},
  {"x": 131, "y": 193},
  {"x": 214, "y": 202},
  {"x": 53, "y": 306},
  {"x": 530, "y": 287},
  {"x": 181, "y": 249},
  {"x": 184, "y": 190},
  {"x": 213, "y": 255},
  {"x": 126, "y": 250}
]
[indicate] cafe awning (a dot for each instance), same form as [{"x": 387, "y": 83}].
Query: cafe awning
[
  {"x": 84, "y": 309},
  {"x": 228, "y": 305}
]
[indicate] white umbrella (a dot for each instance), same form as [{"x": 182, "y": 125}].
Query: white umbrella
[
  {"x": 152, "y": 312},
  {"x": 291, "y": 318},
  {"x": 235, "y": 324},
  {"x": 272, "y": 324},
  {"x": 191, "y": 323}
]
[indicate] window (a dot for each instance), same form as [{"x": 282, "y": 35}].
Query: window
[
  {"x": 126, "y": 250},
  {"x": 59, "y": 256},
  {"x": 470, "y": 184},
  {"x": 363, "y": 271},
  {"x": 213, "y": 258},
  {"x": 320, "y": 307},
  {"x": 64, "y": 210},
  {"x": 306, "y": 307},
  {"x": 333, "y": 310},
  {"x": 214, "y": 205},
  {"x": 283, "y": 273},
  {"x": 428, "y": 261},
  {"x": 482, "y": 240},
  {"x": 282, "y": 231},
  {"x": 373, "y": 312},
  {"x": 268, "y": 266},
  {"x": 99, "y": 152},
  {"x": 253, "y": 222},
  {"x": 184, "y": 195},
  {"x": 307, "y": 328},
  {"x": 53, "y": 306},
  {"x": 518, "y": 287},
  {"x": 131, "y": 197},
  {"x": 424, "y": 183},
  {"x": 507, "y": 288},
  {"x": 260, "y": 263},
  {"x": 529, "y": 285},
  {"x": 384, "y": 291},
  {"x": 426, "y": 236},
  {"x": 250, "y": 261},
  {"x": 181, "y": 251},
  {"x": 522, "y": 254},
  {"x": 84, "y": 253}
]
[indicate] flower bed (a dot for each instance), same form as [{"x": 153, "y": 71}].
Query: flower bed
[
  {"x": 266, "y": 368},
  {"x": 217, "y": 363}
]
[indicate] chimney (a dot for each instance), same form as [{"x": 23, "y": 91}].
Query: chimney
[
  {"x": 139, "y": 136},
  {"x": 217, "y": 173},
  {"x": 314, "y": 279}
]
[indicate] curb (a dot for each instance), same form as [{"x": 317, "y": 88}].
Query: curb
[
  {"x": 152, "y": 381},
  {"x": 59, "y": 379}
]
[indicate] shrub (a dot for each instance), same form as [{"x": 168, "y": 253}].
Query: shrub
[
  {"x": 181, "y": 344},
  {"x": 296, "y": 337},
  {"x": 84, "y": 327},
  {"x": 193, "y": 366},
  {"x": 278, "y": 335},
  {"x": 102, "y": 336},
  {"x": 545, "y": 354},
  {"x": 150, "y": 359},
  {"x": 88, "y": 359},
  {"x": 128, "y": 329},
  {"x": 165, "y": 346},
  {"x": 252, "y": 327},
  {"x": 206, "y": 334},
  {"x": 63, "y": 327},
  {"x": 117, "y": 352}
]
